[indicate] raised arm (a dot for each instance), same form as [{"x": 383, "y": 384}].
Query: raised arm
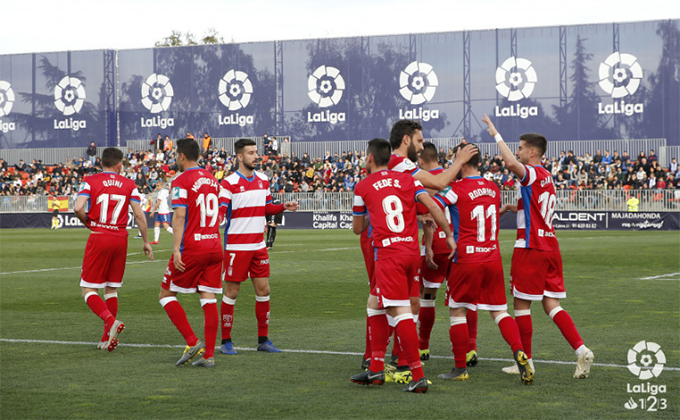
[{"x": 510, "y": 160}]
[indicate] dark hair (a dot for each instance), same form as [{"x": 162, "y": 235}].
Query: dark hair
[
  {"x": 111, "y": 157},
  {"x": 189, "y": 148},
  {"x": 403, "y": 128},
  {"x": 536, "y": 141},
  {"x": 429, "y": 152},
  {"x": 241, "y": 144},
  {"x": 381, "y": 151},
  {"x": 474, "y": 160}
]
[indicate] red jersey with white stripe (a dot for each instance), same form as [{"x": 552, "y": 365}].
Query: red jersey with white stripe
[
  {"x": 439, "y": 245},
  {"x": 389, "y": 199},
  {"x": 246, "y": 200},
  {"x": 535, "y": 207},
  {"x": 473, "y": 203},
  {"x": 198, "y": 192},
  {"x": 109, "y": 196},
  {"x": 402, "y": 164}
]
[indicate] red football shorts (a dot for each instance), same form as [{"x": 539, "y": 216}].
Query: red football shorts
[
  {"x": 201, "y": 273},
  {"x": 240, "y": 265},
  {"x": 477, "y": 286},
  {"x": 433, "y": 279},
  {"x": 536, "y": 273},
  {"x": 104, "y": 261},
  {"x": 368, "y": 251},
  {"x": 396, "y": 280}
]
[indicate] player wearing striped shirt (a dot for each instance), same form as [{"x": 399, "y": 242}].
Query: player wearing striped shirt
[
  {"x": 245, "y": 199},
  {"x": 536, "y": 271}
]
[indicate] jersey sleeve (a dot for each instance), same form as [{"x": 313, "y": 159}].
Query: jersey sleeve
[
  {"x": 447, "y": 196},
  {"x": 406, "y": 166},
  {"x": 179, "y": 195},
  {"x": 419, "y": 188},
  {"x": 529, "y": 176},
  {"x": 85, "y": 189},
  {"x": 359, "y": 208},
  {"x": 136, "y": 196}
]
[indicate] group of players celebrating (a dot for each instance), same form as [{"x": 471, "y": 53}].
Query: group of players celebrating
[{"x": 459, "y": 211}]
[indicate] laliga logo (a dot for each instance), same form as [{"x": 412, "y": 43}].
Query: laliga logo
[
  {"x": 6, "y": 102},
  {"x": 325, "y": 87},
  {"x": 417, "y": 84},
  {"x": 69, "y": 96},
  {"x": 640, "y": 359},
  {"x": 620, "y": 76},
  {"x": 157, "y": 93},
  {"x": 157, "y": 96},
  {"x": 6, "y": 98},
  {"x": 516, "y": 79},
  {"x": 235, "y": 91}
]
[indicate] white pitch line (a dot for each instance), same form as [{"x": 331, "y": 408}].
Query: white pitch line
[
  {"x": 338, "y": 353},
  {"x": 660, "y": 277},
  {"x": 69, "y": 268}
]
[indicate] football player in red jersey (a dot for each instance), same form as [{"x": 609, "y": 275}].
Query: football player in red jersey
[
  {"x": 196, "y": 262},
  {"x": 536, "y": 271},
  {"x": 246, "y": 201},
  {"x": 434, "y": 269},
  {"x": 389, "y": 199},
  {"x": 476, "y": 280},
  {"x": 109, "y": 194}
]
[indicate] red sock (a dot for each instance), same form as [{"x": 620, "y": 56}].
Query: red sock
[
  {"x": 471, "y": 318},
  {"x": 262, "y": 315},
  {"x": 459, "y": 342},
  {"x": 111, "y": 301},
  {"x": 227, "y": 309},
  {"x": 210, "y": 327},
  {"x": 378, "y": 333},
  {"x": 510, "y": 333},
  {"x": 526, "y": 330},
  {"x": 407, "y": 337},
  {"x": 367, "y": 351},
  {"x": 179, "y": 319},
  {"x": 98, "y": 307},
  {"x": 568, "y": 329},
  {"x": 396, "y": 349},
  {"x": 426, "y": 318}
]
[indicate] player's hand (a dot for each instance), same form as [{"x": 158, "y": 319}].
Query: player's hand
[
  {"x": 429, "y": 259},
  {"x": 452, "y": 245},
  {"x": 152, "y": 213},
  {"x": 148, "y": 251},
  {"x": 507, "y": 207},
  {"x": 177, "y": 259},
  {"x": 465, "y": 154},
  {"x": 492, "y": 128},
  {"x": 290, "y": 206},
  {"x": 427, "y": 221}
]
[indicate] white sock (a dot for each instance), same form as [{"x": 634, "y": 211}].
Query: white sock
[
  {"x": 169, "y": 229},
  {"x": 579, "y": 351},
  {"x": 156, "y": 233}
]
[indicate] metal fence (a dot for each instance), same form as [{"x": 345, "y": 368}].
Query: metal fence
[
  {"x": 585, "y": 200},
  {"x": 51, "y": 156},
  {"x": 218, "y": 142}
]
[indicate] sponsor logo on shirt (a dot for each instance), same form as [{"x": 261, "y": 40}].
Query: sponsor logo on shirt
[
  {"x": 198, "y": 237},
  {"x": 542, "y": 233},
  {"x": 481, "y": 249},
  {"x": 388, "y": 241}
]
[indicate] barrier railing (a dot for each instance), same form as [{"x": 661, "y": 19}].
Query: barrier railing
[{"x": 584, "y": 200}]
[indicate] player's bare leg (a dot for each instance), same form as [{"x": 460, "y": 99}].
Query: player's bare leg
[
  {"x": 262, "y": 313},
  {"x": 229, "y": 296},
  {"x": 563, "y": 320},
  {"x": 510, "y": 333},
  {"x": 173, "y": 308},
  {"x": 97, "y": 305},
  {"x": 458, "y": 334}
]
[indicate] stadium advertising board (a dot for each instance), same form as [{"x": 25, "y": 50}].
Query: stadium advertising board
[{"x": 585, "y": 82}]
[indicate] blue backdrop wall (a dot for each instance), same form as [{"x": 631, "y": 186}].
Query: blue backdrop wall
[{"x": 587, "y": 82}]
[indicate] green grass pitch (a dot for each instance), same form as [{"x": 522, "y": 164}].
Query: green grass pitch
[{"x": 50, "y": 368}]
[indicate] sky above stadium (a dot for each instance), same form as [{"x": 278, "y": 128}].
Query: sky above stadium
[{"x": 49, "y": 25}]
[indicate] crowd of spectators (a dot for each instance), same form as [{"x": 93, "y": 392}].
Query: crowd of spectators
[{"x": 329, "y": 173}]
